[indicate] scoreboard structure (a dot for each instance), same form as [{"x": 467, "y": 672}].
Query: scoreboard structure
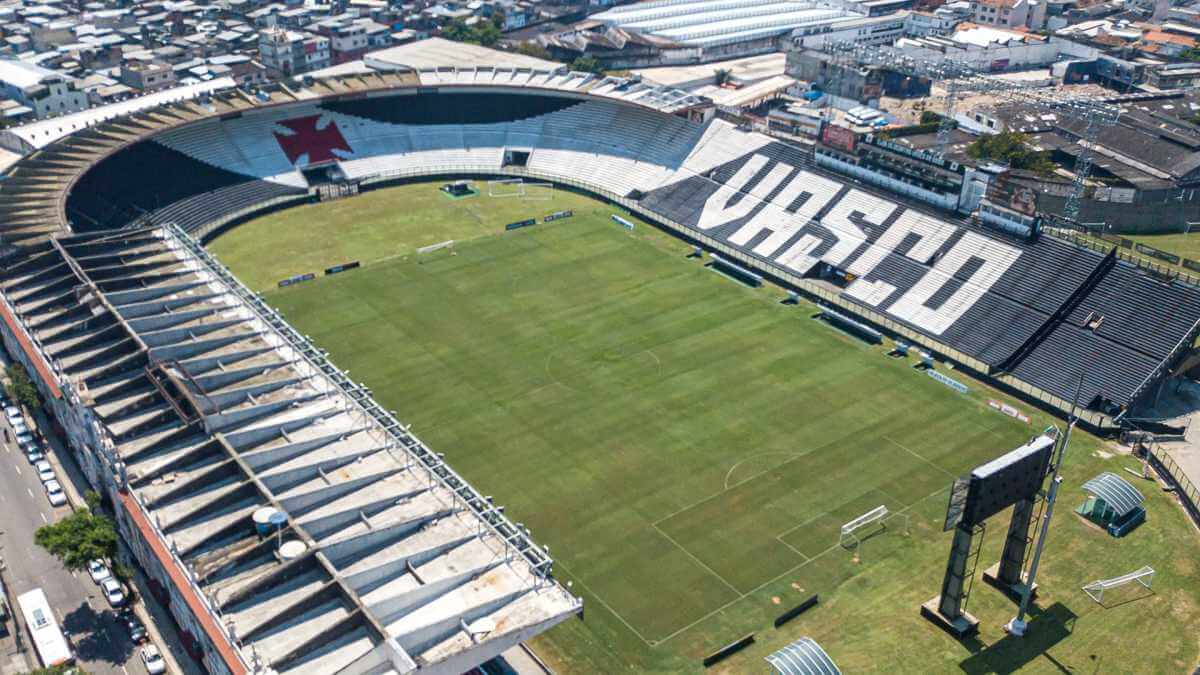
[{"x": 1014, "y": 479}]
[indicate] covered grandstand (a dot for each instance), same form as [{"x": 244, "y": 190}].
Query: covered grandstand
[
  {"x": 203, "y": 407},
  {"x": 289, "y": 522},
  {"x": 1034, "y": 316}
]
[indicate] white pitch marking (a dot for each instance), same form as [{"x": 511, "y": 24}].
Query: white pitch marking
[
  {"x": 699, "y": 562},
  {"x": 607, "y": 606},
  {"x": 30, "y": 492},
  {"x": 768, "y": 582}
]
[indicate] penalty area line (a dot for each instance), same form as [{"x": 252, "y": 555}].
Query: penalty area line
[
  {"x": 699, "y": 562},
  {"x": 607, "y": 606},
  {"x": 768, "y": 582}
]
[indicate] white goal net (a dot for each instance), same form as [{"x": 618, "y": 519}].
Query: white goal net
[
  {"x": 508, "y": 187},
  {"x": 517, "y": 187}
]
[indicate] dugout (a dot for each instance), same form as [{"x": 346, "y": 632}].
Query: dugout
[
  {"x": 458, "y": 188},
  {"x": 802, "y": 657},
  {"x": 1113, "y": 504}
]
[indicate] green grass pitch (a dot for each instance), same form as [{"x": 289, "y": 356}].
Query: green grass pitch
[{"x": 689, "y": 447}]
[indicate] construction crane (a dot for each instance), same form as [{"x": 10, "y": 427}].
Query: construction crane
[{"x": 1090, "y": 116}]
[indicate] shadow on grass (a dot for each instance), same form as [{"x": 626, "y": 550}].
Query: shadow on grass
[
  {"x": 1145, "y": 593},
  {"x": 1047, "y": 627},
  {"x": 91, "y": 634}
]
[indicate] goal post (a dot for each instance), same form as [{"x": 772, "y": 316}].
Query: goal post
[
  {"x": 1095, "y": 590},
  {"x": 876, "y": 519},
  {"x": 424, "y": 252},
  {"x": 506, "y": 187},
  {"x": 518, "y": 187},
  {"x": 539, "y": 191}
]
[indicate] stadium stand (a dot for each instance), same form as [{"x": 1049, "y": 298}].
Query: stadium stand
[
  {"x": 1041, "y": 312},
  {"x": 381, "y": 560},
  {"x": 146, "y": 178}
]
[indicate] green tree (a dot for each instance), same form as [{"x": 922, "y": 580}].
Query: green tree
[
  {"x": 722, "y": 75},
  {"x": 78, "y": 538},
  {"x": 533, "y": 49},
  {"x": 1012, "y": 148},
  {"x": 930, "y": 117},
  {"x": 457, "y": 30},
  {"x": 59, "y": 670},
  {"x": 21, "y": 388},
  {"x": 483, "y": 33},
  {"x": 486, "y": 34},
  {"x": 587, "y": 64}
]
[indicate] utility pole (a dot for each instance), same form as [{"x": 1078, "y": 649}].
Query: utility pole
[{"x": 1018, "y": 624}]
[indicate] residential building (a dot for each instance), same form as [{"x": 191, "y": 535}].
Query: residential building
[
  {"x": 46, "y": 92},
  {"x": 940, "y": 21},
  {"x": 290, "y": 52},
  {"x": 347, "y": 39},
  {"x": 147, "y": 75},
  {"x": 1030, "y": 14}
]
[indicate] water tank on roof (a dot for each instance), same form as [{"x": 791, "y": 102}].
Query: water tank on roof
[
  {"x": 262, "y": 520},
  {"x": 292, "y": 549}
]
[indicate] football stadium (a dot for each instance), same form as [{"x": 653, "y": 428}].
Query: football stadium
[{"x": 392, "y": 372}]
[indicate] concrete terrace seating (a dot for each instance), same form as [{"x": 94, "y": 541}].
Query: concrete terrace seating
[
  {"x": 1011, "y": 304},
  {"x": 199, "y": 210},
  {"x": 626, "y": 148},
  {"x": 143, "y": 178}
]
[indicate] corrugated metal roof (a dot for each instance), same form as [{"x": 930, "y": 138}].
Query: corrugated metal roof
[
  {"x": 1115, "y": 491},
  {"x": 803, "y": 657}
]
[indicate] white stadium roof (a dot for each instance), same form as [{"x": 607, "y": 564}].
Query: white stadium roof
[
  {"x": 41, "y": 133},
  {"x": 713, "y": 22}
]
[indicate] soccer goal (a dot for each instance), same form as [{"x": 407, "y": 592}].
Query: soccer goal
[
  {"x": 506, "y": 187},
  {"x": 424, "y": 252},
  {"x": 868, "y": 524},
  {"x": 1095, "y": 590},
  {"x": 539, "y": 191},
  {"x": 517, "y": 187}
]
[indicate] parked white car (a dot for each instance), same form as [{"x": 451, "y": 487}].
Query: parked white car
[
  {"x": 155, "y": 665},
  {"x": 54, "y": 493},
  {"x": 18, "y": 426},
  {"x": 99, "y": 571},
  {"x": 113, "y": 592},
  {"x": 45, "y": 471},
  {"x": 35, "y": 455},
  {"x": 13, "y": 413}
]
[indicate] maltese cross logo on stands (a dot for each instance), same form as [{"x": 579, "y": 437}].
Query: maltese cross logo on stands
[{"x": 307, "y": 138}]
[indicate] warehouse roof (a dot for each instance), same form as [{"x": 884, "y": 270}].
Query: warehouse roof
[{"x": 709, "y": 22}]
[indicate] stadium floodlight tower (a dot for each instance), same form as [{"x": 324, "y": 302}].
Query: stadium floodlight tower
[
  {"x": 1086, "y": 118},
  {"x": 1013, "y": 479}
]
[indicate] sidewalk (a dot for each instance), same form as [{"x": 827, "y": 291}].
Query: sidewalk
[
  {"x": 159, "y": 624},
  {"x": 524, "y": 661}
]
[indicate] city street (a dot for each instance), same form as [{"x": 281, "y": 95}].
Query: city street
[{"x": 100, "y": 644}]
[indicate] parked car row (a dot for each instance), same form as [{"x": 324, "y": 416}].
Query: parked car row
[
  {"x": 113, "y": 590},
  {"x": 34, "y": 453},
  {"x": 114, "y": 593}
]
